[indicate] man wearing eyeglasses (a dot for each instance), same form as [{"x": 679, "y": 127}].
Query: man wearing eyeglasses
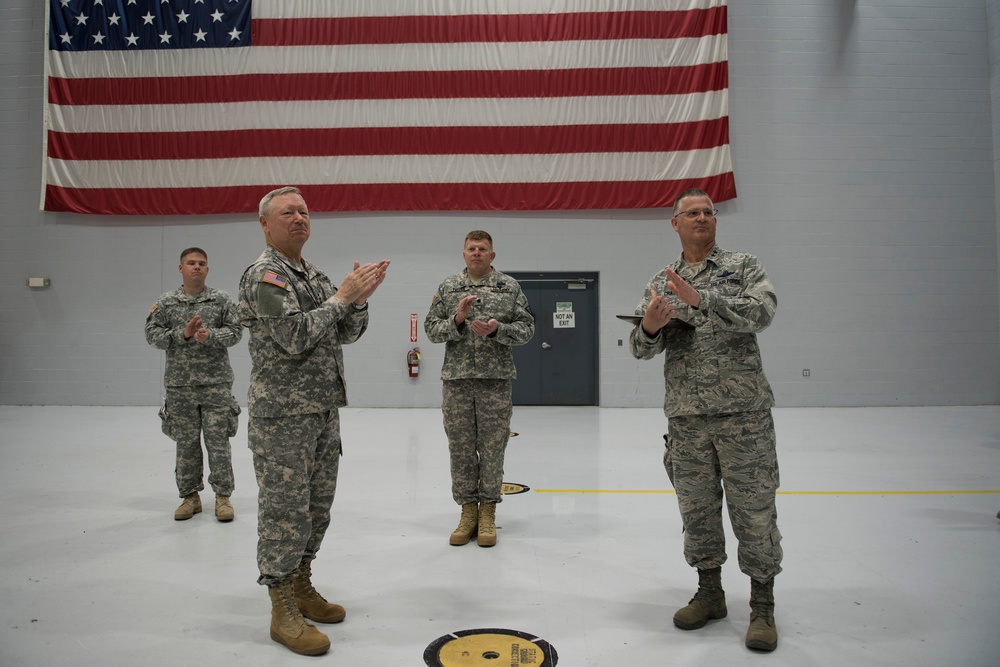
[{"x": 704, "y": 311}]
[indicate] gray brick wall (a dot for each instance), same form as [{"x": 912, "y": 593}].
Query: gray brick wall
[{"x": 864, "y": 148}]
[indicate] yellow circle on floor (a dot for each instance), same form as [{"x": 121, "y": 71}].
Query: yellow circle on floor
[{"x": 491, "y": 650}]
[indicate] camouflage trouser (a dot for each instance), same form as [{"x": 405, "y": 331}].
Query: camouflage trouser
[
  {"x": 705, "y": 453},
  {"x": 477, "y": 422},
  {"x": 190, "y": 413},
  {"x": 296, "y": 459}
]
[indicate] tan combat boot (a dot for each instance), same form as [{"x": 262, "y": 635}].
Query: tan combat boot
[
  {"x": 762, "y": 633},
  {"x": 487, "y": 525},
  {"x": 289, "y": 628},
  {"x": 707, "y": 604},
  {"x": 313, "y": 605},
  {"x": 190, "y": 506},
  {"x": 223, "y": 508},
  {"x": 466, "y": 525}
]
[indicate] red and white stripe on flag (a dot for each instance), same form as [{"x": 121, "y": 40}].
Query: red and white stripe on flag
[{"x": 372, "y": 105}]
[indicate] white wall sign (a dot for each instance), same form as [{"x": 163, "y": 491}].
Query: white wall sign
[{"x": 564, "y": 320}]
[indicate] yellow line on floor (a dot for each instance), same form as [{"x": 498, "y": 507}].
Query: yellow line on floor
[{"x": 915, "y": 492}]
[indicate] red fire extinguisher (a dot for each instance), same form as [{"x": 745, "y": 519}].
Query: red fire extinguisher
[{"x": 413, "y": 362}]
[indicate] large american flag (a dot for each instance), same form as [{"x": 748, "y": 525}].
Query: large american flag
[{"x": 162, "y": 107}]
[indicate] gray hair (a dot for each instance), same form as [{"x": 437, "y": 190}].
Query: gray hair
[
  {"x": 690, "y": 192},
  {"x": 265, "y": 203}
]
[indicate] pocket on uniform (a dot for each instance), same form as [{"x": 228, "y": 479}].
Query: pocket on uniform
[
  {"x": 668, "y": 459},
  {"x": 234, "y": 418},
  {"x": 165, "y": 419},
  {"x": 739, "y": 361}
]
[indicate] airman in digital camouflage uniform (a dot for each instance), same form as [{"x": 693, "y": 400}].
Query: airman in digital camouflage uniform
[
  {"x": 479, "y": 314},
  {"x": 196, "y": 325},
  {"x": 718, "y": 404},
  {"x": 298, "y": 321}
]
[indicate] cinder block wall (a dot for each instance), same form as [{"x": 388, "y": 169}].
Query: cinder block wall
[{"x": 863, "y": 140}]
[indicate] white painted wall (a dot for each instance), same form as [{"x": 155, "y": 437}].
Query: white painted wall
[{"x": 864, "y": 143}]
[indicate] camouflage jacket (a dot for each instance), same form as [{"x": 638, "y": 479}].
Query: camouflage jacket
[
  {"x": 714, "y": 367},
  {"x": 297, "y": 327},
  {"x": 190, "y": 363},
  {"x": 467, "y": 355}
]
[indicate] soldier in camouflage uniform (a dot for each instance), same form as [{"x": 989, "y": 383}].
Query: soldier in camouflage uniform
[
  {"x": 479, "y": 314},
  {"x": 298, "y": 321},
  {"x": 196, "y": 325},
  {"x": 704, "y": 312}
]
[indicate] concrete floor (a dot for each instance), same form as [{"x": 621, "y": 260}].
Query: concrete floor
[{"x": 891, "y": 540}]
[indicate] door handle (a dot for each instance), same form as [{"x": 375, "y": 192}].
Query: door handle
[{"x": 546, "y": 346}]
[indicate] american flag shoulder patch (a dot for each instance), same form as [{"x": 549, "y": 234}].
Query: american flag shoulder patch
[{"x": 275, "y": 279}]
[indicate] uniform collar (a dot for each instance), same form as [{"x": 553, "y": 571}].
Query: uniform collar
[
  {"x": 712, "y": 256},
  {"x": 305, "y": 268}
]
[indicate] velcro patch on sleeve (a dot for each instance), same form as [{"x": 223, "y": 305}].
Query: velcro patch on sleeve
[{"x": 270, "y": 300}]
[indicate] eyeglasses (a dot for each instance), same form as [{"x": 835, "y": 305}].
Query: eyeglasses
[{"x": 695, "y": 212}]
